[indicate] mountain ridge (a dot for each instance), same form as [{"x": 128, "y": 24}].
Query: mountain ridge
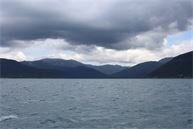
[
  {"x": 179, "y": 67},
  {"x": 170, "y": 67},
  {"x": 59, "y": 64},
  {"x": 14, "y": 69}
]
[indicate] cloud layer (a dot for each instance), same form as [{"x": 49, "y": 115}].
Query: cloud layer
[
  {"x": 59, "y": 48},
  {"x": 110, "y": 24}
]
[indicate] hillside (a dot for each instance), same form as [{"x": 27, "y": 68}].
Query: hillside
[
  {"x": 178, "y": 67},
  {"x": 138, "y": 71},
  {"x": 14, "y": 69}
]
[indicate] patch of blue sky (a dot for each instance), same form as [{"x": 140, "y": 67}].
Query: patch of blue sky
[{"x": 180, "y": 37}]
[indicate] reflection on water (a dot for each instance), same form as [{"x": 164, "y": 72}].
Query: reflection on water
[{"x": 95, "y": 104}]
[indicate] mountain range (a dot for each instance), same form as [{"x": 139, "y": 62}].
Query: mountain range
[{"x": 171, "y": 67}]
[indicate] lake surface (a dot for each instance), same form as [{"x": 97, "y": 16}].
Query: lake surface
[{"x": 96, "y": 104}]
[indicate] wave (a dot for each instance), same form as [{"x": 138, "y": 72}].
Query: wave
[{"x": 4, "y": 118}]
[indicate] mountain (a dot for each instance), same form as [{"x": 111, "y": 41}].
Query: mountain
[
  {"x": 165, "y": 60},
  {"x": 178, "y": 67},
  {"x": 141, "y": 70},
  {"x": 108, "y": 69},
  {"x": 60, "y": 64},
  {"x": 14, "y": 69},
  {"x": 138, "y": 71},
  {"x": 49, "y": 63}
]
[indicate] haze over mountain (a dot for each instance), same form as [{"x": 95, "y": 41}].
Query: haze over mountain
[
  {"x": 138, "y": 71},
  {"x": 141, "y": 70},
  {"x": 108, "y": 69},
  {"x": 53, "y": 63},
  {"x": 177, "y": 67},
  {"x": 59, "y": 64}
]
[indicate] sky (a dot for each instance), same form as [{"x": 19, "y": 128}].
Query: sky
[{"x": 124, "y": 32}]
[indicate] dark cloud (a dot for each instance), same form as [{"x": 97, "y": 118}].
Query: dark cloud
[{"x": 117, "y": 24}]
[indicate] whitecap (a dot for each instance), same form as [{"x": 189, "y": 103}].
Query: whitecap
[{"x": 4, "y": 118}]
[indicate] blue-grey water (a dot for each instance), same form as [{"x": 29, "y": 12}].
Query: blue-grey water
[{"x": 96, "y": 104}]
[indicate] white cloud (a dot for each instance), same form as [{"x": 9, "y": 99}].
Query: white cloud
[
  {"x": 12, "y": 54},
  {"x": 59, "y": 48},
  {"x": 176, "y": 49}
]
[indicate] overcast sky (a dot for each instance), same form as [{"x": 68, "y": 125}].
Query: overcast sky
[{"x": 123, "y": 32}]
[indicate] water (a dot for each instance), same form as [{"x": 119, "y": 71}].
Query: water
[{"x": 96, "y": 104}]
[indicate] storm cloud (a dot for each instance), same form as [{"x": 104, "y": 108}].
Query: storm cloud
[{"x": 114, "y": 24}]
